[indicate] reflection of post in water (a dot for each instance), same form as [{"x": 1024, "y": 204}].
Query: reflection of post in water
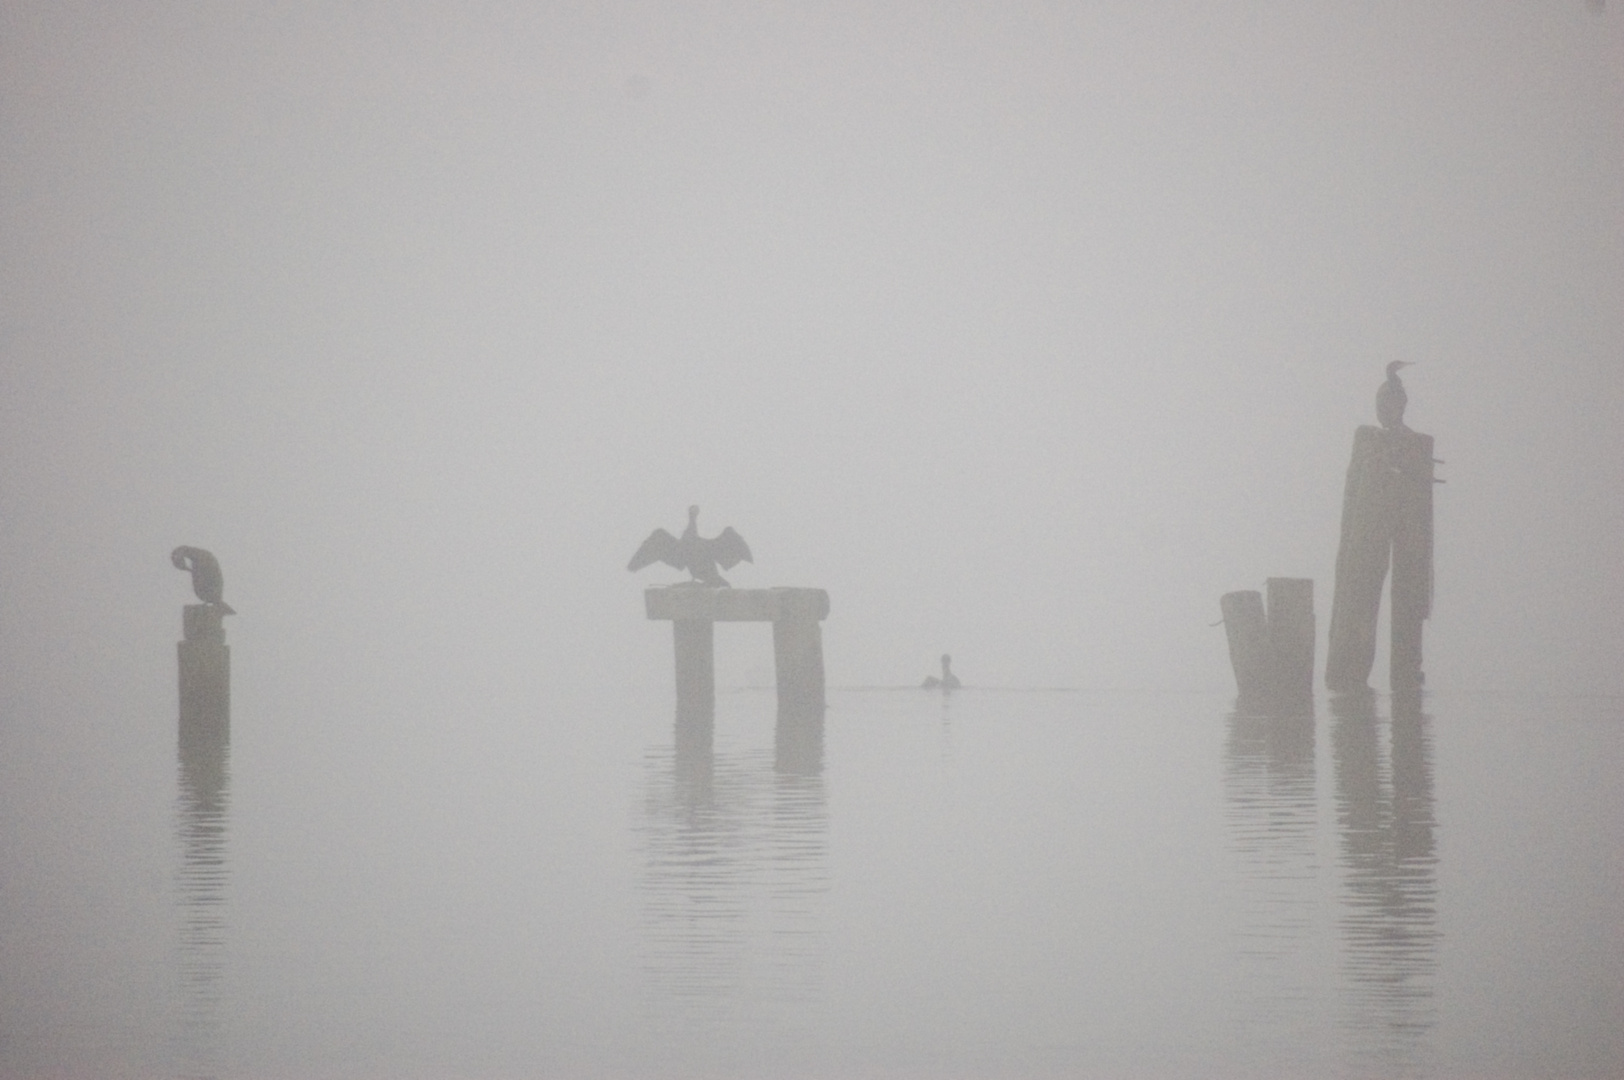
[
  {"x": 201, "y": 828},
  {"x": 1390, "y": 935},
  {"x": 735, "y": 857},
  {"x": 1272, "y": 817}
]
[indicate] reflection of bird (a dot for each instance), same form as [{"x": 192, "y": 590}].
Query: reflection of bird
[
  {"x": 207, "y": 581},
  {"x": 948, "y": 681},
  {"x": 694, "y": 553},
  {"x": 1391, "y": 398}
]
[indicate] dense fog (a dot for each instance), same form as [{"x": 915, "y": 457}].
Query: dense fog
[{"x": 1025, "y": 330}]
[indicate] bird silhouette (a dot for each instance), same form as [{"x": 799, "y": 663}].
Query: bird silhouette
[
  {"x": 694, "y": 553},
  {"x": 948, "y": 681},
  {"x": 1391, "y": 398},
  {"x": 207, "y": 581}
]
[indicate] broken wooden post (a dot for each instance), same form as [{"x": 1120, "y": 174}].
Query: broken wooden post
[
  {"x": 797, "y": 638},
  {"x": 1248, "y": 632},
  {"x": 1272, "y": 653},
  {"x": 205, "y": 677},
  {"x": 1386, "y": 515},
  {"x": 1291, "y": 639}
]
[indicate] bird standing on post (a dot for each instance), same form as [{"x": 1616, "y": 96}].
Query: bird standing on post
[
  {"x": 694, "y": 553},
  {"x": 1391, "y": 398},
  {"x": 207, "y": 581}
]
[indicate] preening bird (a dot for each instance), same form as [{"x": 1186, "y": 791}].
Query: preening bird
[
  {"x": 948, "y": 681},
  {"x": 694, "y": 553},
  {"x": 1391, "y": 398},
  {"x": 207, "y": 581}
]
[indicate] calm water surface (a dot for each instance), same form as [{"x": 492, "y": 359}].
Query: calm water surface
[{"x": 1000, "y": 883}]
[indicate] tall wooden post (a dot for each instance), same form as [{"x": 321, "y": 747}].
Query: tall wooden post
[
  {"x": 1386, "y": 516},
  {"x": 1412, "y": 562}
]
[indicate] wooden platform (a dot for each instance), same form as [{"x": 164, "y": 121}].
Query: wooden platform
[{"x": 735, "y": 605}]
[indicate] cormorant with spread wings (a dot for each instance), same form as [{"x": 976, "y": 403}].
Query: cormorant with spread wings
[{"x": 694, "y": 553}]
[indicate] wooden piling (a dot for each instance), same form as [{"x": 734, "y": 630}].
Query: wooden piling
[
  {"x": 204, "y": 664},
  {"x": 695, "y": 641},
  {"x": 798, "y": 649},
  {"x": 1248, "y": 632},
  {"x": 1386, "y": 516},
  {"x": 1291, "y": 639}
]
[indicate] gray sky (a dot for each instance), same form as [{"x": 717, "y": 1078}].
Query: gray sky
[{"x": 1025, "y": 329}]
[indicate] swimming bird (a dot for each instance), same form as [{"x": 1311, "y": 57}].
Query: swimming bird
[
  {"x": 694, "y": 553},
  {"x": 207, "y": 581},
  {"x": 948, "y": 681},
  {"x": 1391, "y": 398}
]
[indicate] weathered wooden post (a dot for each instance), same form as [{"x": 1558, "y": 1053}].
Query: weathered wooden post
[
  {"x": 1386, "y": 515},
  {"x": 798, "y": 662},
  {"x": 1248, "y": 633},
  {"x": 695, "y": 642},
  {"x": 1412, "y": 561},
  {"x": 1272, "y": 653},
  {"x": 798, "y": 648},
  {"x": 205, "y": 677},
  {"x": 1291, "y": 639}
]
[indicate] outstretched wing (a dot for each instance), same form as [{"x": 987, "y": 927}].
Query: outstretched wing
[
  {"x": 730, "y": 549},
  {"x": 660, "y": 546}
]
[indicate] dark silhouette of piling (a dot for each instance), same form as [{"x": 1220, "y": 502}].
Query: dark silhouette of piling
[
  {"x": 1291, "y": 639},
  {"x": 205, "y": 678},
  {"x": 695, "y": 641},
  {"x": 1386, "y": 517},
  {"x": 1272, "y": 652},
  {"x": 798, "y": 649},
  {"x": 1248, "y": 631}
]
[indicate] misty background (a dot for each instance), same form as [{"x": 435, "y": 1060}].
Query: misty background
[{"x": 1026, "y": 330}]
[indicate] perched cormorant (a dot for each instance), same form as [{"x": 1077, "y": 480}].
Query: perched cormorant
[
  {"x": 694, "y": 553},
  {"x": 948, "y": 681},
  {"x": 207, "y": 581},
  {"x": 1391, "y": 398}
]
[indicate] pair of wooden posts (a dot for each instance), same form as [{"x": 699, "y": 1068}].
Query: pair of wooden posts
[
  {"x": 1386, "y": 517},
  {"x": 1272, "y": 652},
  {"x": 795, "y": 614}
]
